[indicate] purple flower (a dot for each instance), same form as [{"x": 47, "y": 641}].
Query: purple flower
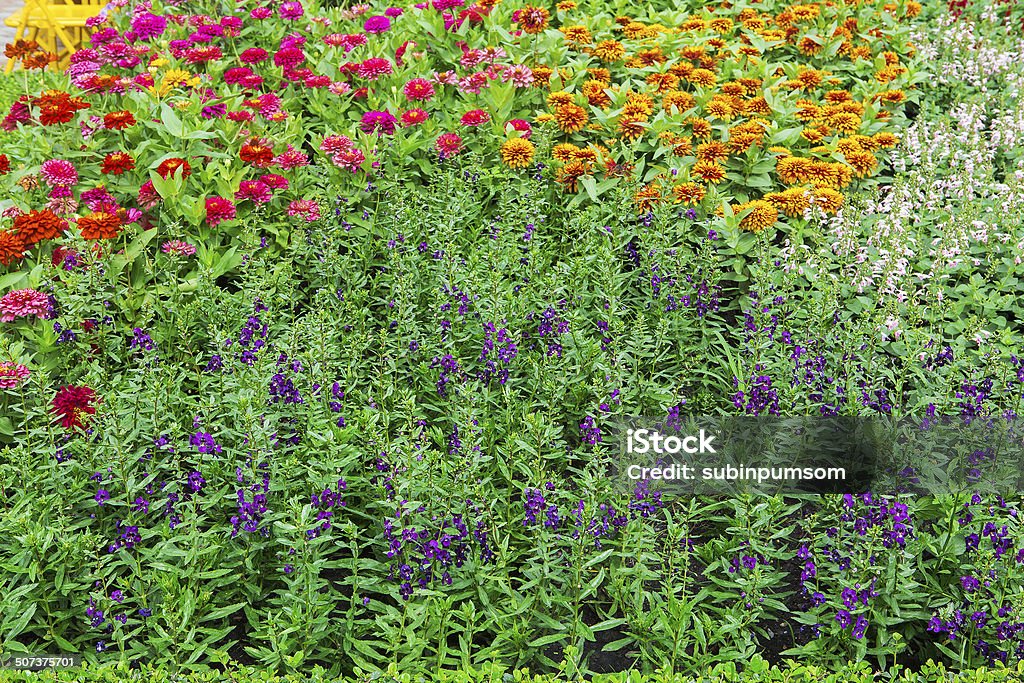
[
  {"x": 377, "y": 24},
  {"x": 860, "y": 627},
  {"x": 290, "y": 10},
  {"x": 147, "y": 26},
  {"x": 380, "y": 122},
  {"x": 204, "y": 443}
]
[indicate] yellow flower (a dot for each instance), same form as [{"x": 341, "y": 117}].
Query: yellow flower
[
  {"x": 708, "y": 172},
  {"x": 517, "y": 152},
  {"x": 571, "y": 117},
  {"x": 762, "y": 215},
  {"x": 828, "y": 200},
  {"x": 689, "y": 194}
]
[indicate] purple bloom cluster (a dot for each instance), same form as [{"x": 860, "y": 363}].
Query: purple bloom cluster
[
  {"x": 325, "y": 502},
  {"x": 250, "y": 512},
  {"x": 760, "y": 397},
  {"x": 421, "y": 555},
  {"x": 498, "y": 343}
]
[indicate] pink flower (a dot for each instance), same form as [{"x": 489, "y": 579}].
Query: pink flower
[
  {"x": 377, "y": 24},
  {"x": 219, "y": 209},
  {"x": 520, "y": 125},
  {"x": 23, "y": 303},
  {"x": 290, "y": 10},
  {"x": 291, "y": 158},
  {"x": 448, "y": 144},
  {"x": 59, "y": 173},
  {"x": 418, "y": 89},
  {"x": 474, "y": 83},
  {"x": 380, "y": 122},
  {"x": 12, "y": 374},
  {"x": 148, "y": 196},
  {"x": 178, "y": 248},
  {"x": 373, "y": 68},
  {"x": 307, "y": 208},
  {"x": 520, "y": 75},
  {"x": 261, "y": 13},
  {"x": 274, "y": 181},
  {"x": 254, "y": 191},
  {"x": 253, "y": 55},
  {"x": 446, "y": 78},
  {"x": 475, "y": 117},
  {"x": 414, "y": 117}
]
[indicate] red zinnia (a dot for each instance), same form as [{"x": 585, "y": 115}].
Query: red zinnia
[
  {"x": 168, "y": 167},
  {"x": 257, "y": 153},
  {"x": 117, "y": 163},
  {"x": 56, "y": 106},
  {"x": 35, "y": 226},
  {"x": 100, "y": 226},
  {"x": 475, "y": 117},
  {"x": 71, "y": 403},
  {"x": 5, "y": 164},
  {"x": 219, "y": 209},
  {"x": 12, "y": 247},
  {"x": 118, "y": 120}
]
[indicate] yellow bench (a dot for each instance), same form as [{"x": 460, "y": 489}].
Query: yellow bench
[{"x": 45, "y": 21}]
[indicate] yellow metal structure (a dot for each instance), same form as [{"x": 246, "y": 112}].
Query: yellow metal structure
[{"x": 50, "y": 21}]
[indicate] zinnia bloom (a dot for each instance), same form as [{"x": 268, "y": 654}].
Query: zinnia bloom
[
  {"x": 307, "y": 208},
  {"x": 448, "y": 144},
  {"x": 571, "y": 117},
  {"x": 380, "y": 122},
  {"x": 373, "y": 68},
  {"x": 35, "y": 226},
  {"x": 12, "y": 374},
  {"x": 418, "y": 89},
  {"x": 517, "y": 152},
  {"x": 100, "y": 226},
  {"x": 71, "y": 403},
  {"x": 118, "y": 120},
  {"x": 475, "y": 117},
  {"x": 59, "y": 173},
  {"x": 522, "y": 126},
  {"x": 290, "y": 10},
  {"x": 219, "y": 209},
  {"x": 12, "y": 247},
  {"x": 255, "y": 191},
  {"x": 377, "y": 24},
  {"x": 762, "y": 215},
  {"x": 414, "y": 117},
  {"x": 169, "y": 166},
  {"x": 178, "y": 248},
  {"x": 23, "y": 303},
  {"x": 117, "y": 163},
  {"x": 532, "y": 19},
  {"x": 257, "y": 152}
]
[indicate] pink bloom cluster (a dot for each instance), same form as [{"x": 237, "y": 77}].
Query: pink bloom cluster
[
  {"x": 23, "y": 303},
  {"x": 343, "y": 152},
  {"x": 12, "y": 374}
]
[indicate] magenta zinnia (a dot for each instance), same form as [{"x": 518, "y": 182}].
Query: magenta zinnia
[
  {"x": 23, "y": 303},
  {"x": 71, "y": 403},
  {"x": 12, "y": 374},
  {"x": 59, "y": 173},
  {"x": 219, "y": 209},
  {"x": 380, "y": 122},
  {"x": 448, "y": 144}
]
